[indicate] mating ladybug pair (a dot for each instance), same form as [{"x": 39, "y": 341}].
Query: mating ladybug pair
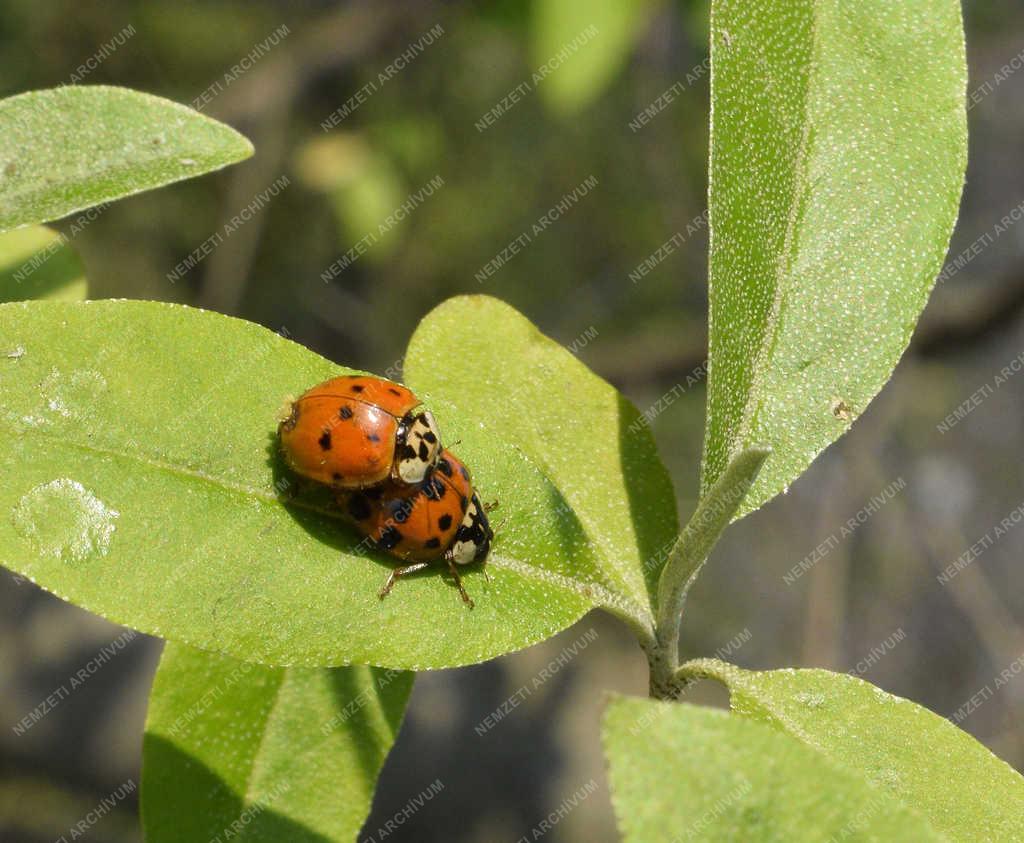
[{"x": 372, "y": 442}]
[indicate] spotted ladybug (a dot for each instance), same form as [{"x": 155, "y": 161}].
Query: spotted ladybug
[
  {"x": 441, "y": 518},
  {"x": 356, "y": 431}
]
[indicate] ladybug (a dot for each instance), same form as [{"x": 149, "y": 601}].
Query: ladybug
[
  {"x": 439, "y": 518},
  {"x": 356, "y": 431}
]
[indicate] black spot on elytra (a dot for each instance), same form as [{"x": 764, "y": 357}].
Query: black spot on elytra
[
  {"x": 464, "y": 501},
  {"x": 345, "y": 412},
  {"x": 325, "y": 440},
  {"x": 464, "y": 472},
  {"x": 357, "y": 387},
  {"x": 400, "y": 511},
  {"x": 444, "y": 522},
  {"x": 429, "y": 437},
  {"x": 393, "y": 391},
  {"x": 389, "y": 538},
  {"x": 432, "y": 543},
  {"x": 373, "y": 437},
  {"x": 359, "y": 507},
  {"x": 433, "y": 488},
  {"x": 444, "y": 467}
]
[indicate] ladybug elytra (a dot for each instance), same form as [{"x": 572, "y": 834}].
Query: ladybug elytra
[
  {"x": 356, "y": 431},
  {"x": 439, "y": 518},
  {"x": 379, "y": 449}
]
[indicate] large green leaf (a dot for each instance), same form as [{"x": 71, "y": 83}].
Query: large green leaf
[
  {"x": 584, "y": 498},
  {"x": 37, "y": 263},
  {"x": 236, "y": 751},
  {"x": 140, "y": 461},
  {"x": 681, "y": 772},
  {"x": 69, "y": 148},
  {"x": 901, "y": 748},
  {"x": 837, "y": 160}
]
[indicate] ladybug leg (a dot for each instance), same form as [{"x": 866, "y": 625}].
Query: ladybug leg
[
  {"x": 399, "y": 572},
  {"x": 458, "y": 581},
  {"x": 490, "y": 507}
]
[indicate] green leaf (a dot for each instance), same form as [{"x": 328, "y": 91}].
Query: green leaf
[
  {"x": 838, "y": 149},
  {"x": 681, "y": 772},
  {"x": 587, "y": 504},
  {"x": 896, "y": 745},
  {"x": 233, "y": 750},
  {"x": 38, "y": 263},
  {"x": 579, "y": 45},
  {"x": 140, "y": 460},
  {"x": 70, "y": 148}
]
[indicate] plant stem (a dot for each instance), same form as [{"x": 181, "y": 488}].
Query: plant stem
[{"x": 695, "y": 542}]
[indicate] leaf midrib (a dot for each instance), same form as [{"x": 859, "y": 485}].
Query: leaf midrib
[
  {"x": 172, "y": 468},
  {"x": 593, "y": 534},
  {"x": 33, "y": 194},
  {"x": 580, "y": 587},
  {"x": 621, "y": 602},
  {"x": 609, "y": 599},
  {"x": 786, "y": 257},
  {"x": 533, "y": 450},
  {"x": 247, "y": 796}
]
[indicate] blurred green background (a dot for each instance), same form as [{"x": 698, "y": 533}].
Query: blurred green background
[{"x": 278, "y": 72}]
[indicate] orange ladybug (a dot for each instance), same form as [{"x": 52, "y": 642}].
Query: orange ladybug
[
  {"x": 356, "y": 431},
  {"x": 439, "y": 518}
]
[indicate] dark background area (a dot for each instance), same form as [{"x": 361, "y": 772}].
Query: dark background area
[{"x": 875, "y": 590}]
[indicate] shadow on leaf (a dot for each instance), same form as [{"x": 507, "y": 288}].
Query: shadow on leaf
[
  {"x": 648, "y": 488},
  {"x": 169, "y": 771}
]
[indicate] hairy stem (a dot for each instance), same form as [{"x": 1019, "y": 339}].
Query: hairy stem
[{"x": 687, "y": 557}]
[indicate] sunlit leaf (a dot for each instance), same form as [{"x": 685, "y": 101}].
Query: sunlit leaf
[
  {"x": 837, "y": 159},
  {"x": 70, "y": 148},
  {"x": 681, "y": 772},
  {"x": 579, "y": 484},
  {"x": 143, "y": 482},
  {"x": 896, "y": 745}
]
